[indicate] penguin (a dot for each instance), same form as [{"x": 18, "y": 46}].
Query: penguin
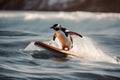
[{"x": 64, "y": 36}]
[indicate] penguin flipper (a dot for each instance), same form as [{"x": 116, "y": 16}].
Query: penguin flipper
[
  {"x": 54, "y": 37},
  {"x": 71, "y": 39},
  {"x": 74, "y": 33}
]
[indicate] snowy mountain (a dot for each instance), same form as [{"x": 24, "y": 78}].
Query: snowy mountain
[{"x": 62, "y": 5}]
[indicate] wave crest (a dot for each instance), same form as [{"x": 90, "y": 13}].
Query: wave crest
[{"x": 59, "y": 15}]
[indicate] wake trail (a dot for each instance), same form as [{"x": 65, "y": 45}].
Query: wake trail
[{"x": 84, "y": 46}]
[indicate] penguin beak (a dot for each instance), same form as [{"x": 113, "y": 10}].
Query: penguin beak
[{"x": 51, "y": 27}]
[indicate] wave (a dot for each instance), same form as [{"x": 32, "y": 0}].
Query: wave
[
  {"x": 16, "y": 33},
  {"x": 85, "y": 22},
  {"x": 11, "y": 75},
  {"x": 20, "y": 29},
  {"x": 59, "y": 15},
  {"x": 84, "y": 47}
]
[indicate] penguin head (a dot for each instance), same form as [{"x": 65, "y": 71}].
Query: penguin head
[{"x": 56, "y": 27}]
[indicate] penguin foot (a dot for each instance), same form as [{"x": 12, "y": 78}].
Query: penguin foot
[{"x": 65, "y": 48}]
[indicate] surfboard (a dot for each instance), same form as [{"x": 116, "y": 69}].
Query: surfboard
[{"x": 54, "y": 49}]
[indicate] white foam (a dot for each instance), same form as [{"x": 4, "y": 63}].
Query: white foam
[
  {"x": 76, "y": 16},
  {"x": 91, "y": 52},
  {"x": 32, "y": 47},
  {"x": 82, "y": 46}
]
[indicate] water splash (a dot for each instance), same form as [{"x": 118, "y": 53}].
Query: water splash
[
  {"x": 84, "y": 46},
  {"x": 32, "y": 47}
]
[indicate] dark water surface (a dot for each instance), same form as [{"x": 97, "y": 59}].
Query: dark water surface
[{"x": 19, "y": 29}]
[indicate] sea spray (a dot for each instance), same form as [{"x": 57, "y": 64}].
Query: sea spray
[
  {"x": 84, "y": 46},
  {"x": 91, "y": 52},
  {"x": 32, "y": 47}
]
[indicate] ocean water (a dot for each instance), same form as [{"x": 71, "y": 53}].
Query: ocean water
[{"x": 20, "y": 59}]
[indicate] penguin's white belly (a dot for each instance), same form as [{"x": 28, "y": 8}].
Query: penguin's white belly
[{"x": 64, "y": 41}]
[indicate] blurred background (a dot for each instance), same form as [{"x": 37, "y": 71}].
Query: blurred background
[{"x": 62, "y": 5}]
